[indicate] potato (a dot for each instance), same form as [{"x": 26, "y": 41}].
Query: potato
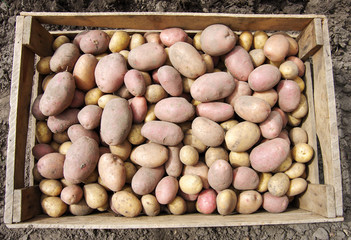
[
  {"x": 263, "y": 182},
  {"x": 241, "y": 89},
  {"x": 252, "y": 109},
  {"x": 209, "y": 62},
  {"x": 123, "y": 92},
  {"x": 135, "y": 83},
  {"x": 270, "y": 96},
  {"x": 146, "y": 179},
  {"x": 122, "y": 150},
  {"x": 136, "y": 40},
  {"x": 155, "y": 93},
  {"x": 83, "y": 72},
  {"x": 43, "y": 66},
  {"x": 147, "y": 57},
  {"x": 174, "y": 109},
  {"x": 260, "y": 39},
  {"x": 89, "y": 116},
  {"x": 207, "y": 131},
  {"x": 35, "y": 109},
  {"x": 217, "y": 39},
  {"x": 112, "y": 171},
  {"x": 78, "y": 99},
  {"x": 276, "y": 47},
  {"x": 245, "y": 40},
  {"x": 302, "y": 152},
  {"x": 264, "y": 78},
  {"x": 289, "y": 70},
  {"x": 298, "y": 135},
  {"x": 302, "y": 109},
  {"x": 173, "y": 165},
  {"x": 153, "y": 37},
  {"x": 150, "y": 155},
  {"x": 239, "y": 159},
  {"x": 269, "y": 155},
  {"x": 61, "y": 122},
  {"x": 220, "y": 175},
  {"x": 81, "y": 159},
  {"x": 215, "y": 153},
  {"x": 166, "y": 190},
  {"x": 257, "y": 57},
  {"x": 215, "y": 111},
  {"x": 93, "y": 177},
  {"x": 187, "y": 83},
  {"x": 272, "y": 126},
  {"x": 92, "y": 96},
  {"x": 42, "y": 132},
  {"x": 245, "y": 178},
  {"x": 296, "y": 170},
  {"x": 53, "y": 206},
  {"x": 58, "y": 95},
  {"x": 50, "y": 166},
  {"x": 299, "y": 63},
  {"x": 187, "y": 60},
  {"x": 238, "y": 63},
  {"x": 50, "y": 187},
  {"x": 64, "y": 58},
  {"x": 293, "y": 45},
  {"x": 95, "y": 195},
  {"x": 55, "y": 146},
  {"x": 197, "y": 41},
  {"x": 192, "y": 140},
  {"x": 64, "y": 147},
  {"x": 110, "y": 81},
  {"x": 190, "y": 184},
  {"x": 59, "y": 41},
  {"x": 200, "y": 169},
  {"x": 130, "y": 171},
  {"x": 300, "y": 83},
  {"x": 76, "y": 131},
  {"x": 278, "y": 184},
  {"x": 46, "y": 81},
  {"x": 206, "y": 201},
  {"x": 170, "y": 80},
  {"x": 177, "y": 206},
  {"x": 162, "y": 132},
  {"x": 126, "y": 204},
  {"x": 274, "y": 204},
  {"x": 288, "y": 95},
  {"x": 72, "y": 194},
  {"x": 116, "y": 121},
  {"x": 226, "y": 202},
  {"x": 138, "y": 106},
  {"x": 248, "y": 202},
  {"x": 41, "y": 149},
  {"x": 297, "y": 186},
  {"x": 293, "y": 122},
  {"x": 119, "y": 41},
  {"x": 242, "y": 136},
  {"x": 170, "y": 36},
  {"x": 135, "y": 136},
  {"x": 228, "y": 124},
  {"x": 285, "y": 165},
  {"x": 94, "y": 42},
  {"x": 282, "y": 114},
  {"x": 80, "y": 209},
  {"x": 150, "y": 205},
  {"x": 188, "y": 155}
]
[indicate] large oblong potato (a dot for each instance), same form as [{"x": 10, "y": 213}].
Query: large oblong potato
[
  {"x": 112, "y": 171},
  {"x": 126, "y": 204},
  {"x": 207, "y": 131},
  {"x": 242, "y": 136},
  {"x": 264, "y": 77},
  {"x": 146, "y": 179},
  {"x": 238, "y": 63},
  {"x": 252, "y": 109},
  {"x": 226, "y": 201},
  {"x": 216, "y": 111},
  {"x": 147, "y": 57},
  {"x": 83, "y": 72},
  {"x": 162, "y": 132},
  {"x": 288, "y": 95},
  {"x": 150, "y": 155},
  {"x": 170, "y": 80},
  {"x": 61, "y": 122},
  {"x": 64, "y": 58},
  {"x": 174, "y": 109},
  {"x": 220, "y": 175},
  {"x": 50, "y": 166}
]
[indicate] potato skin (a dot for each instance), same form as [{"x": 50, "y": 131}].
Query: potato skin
[
  {"x": 270, "y": 96},
  {"x": 206, "y": 201},
  {"x": 112, "y": 171},
  {"x": 252, "y": 109},
  {"x": 81, "y": 160},
  {"x": 135, "y": 83},
  {"x": 241, "y": 89},
  {"x": 147, "y": 57},
  {"x": 150, "y": 155},
  {"x": 200, "y": 169},
  {"x": 77, "y": 131},
  {"x": 58, "y": 94},
  {"x": 41, "y": 149},
  {"x": 80, "y": 209},
  {"x": 217, "y": 39},
  {"x": 36, "y": 110},
  {"x": 248, "y": 202},
  {"x": 278, "y": 184},
  {"x": 264, "y": 77},
  {"x": 94, "y": 42},
  {"x": 61, "y": 122},
  {"x": 95, "y": 195},
  {"x": 53, "y": 206},
  {"x": 116, "y": 121},
  {"x": 50, "y": 187},
  {"x": 162, "y": 132},
  {"x": 245, "y": 178},
  {"x": 72, "y": 194},
  {"x": 174, "y": 109},
  {"x": 154, "y": 93},
  {"x": 272, "y": 126},
  {"x": 214, "y": 153},
  {"x": 288, "y": 95},
  {"x": 207, "y": 131},
  {"x": 64, "y": 58},
  {"x": 83, "y": 72},
  {"x": 226, "y": 201},
  {"x": 274, "y": 204},
  {"x": 220, "y": 175},
  {"x": 146, "y": 179},
  {"x": 150, "y": 205},
  {"x": 166, "y": 190},
  {"x": 78, "y": 99},
  {"x": 242, "y": 136},
  {"x": 138, "y": 106},
  {"x": 215, "y": 111},
  {"x": 89, "y": 116},
  {"x": 276, "y": 47},
  {"x": 170, "y": 36},
  {"x": 170, "y": 80},
  {"x": 239, "y": 64},
  {"x": 269, "y": 155},
  {"x": 212, "y": 86},
  {"x": 174, "y": 166},
  {"x": 110, "y": 81},
  {"x": 50, "y": 166}
]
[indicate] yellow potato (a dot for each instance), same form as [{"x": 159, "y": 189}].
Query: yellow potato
[
  {"x": 278, "y": 184},
  {"x": 228, "y": 124},
  {"x": 50, "y": 187},
  {"x": 92, "y": 178},
  {"x": 302, "y": 152},
  {"x": 226, "y": 201},
  {"x": 147, "y": 78},
  {"x": 65, "y": 183},
  {"x": 190, "y": 184},
  {"x": 257, "y": 57},
  {"x": 103, "y": 100},
  {"x": 47, "y": 80},
  {"x": 245, "y": 40},
  {"x": 155, "y": 93},
  {"x": 239, "y": 159},
  {"x": 195, "y": 102},
  {"x": 300, "y": 82},
  {"x": 60, "y": 137},
  {"x": 64, "y": 147},
  {"x": 126, "y": 204},
  {"x": 260, "y": 39},
  {"x": 36, "y": 175},
  {"x": 297, "y": 186},
  {"x": 104, "y": 207},
  {"x": 92, "y": 96},
  {"x": 42, "y": 132},
  {"x": 134, "y": 136},
  {"x": 274, "y": 63},
  {"x": 177, "y": 206},
  {"x": 285, "y": 165},
  {"x": 98, "y": 57},
  {"x": 53, "y": 206},
  {"x": 263, "y": 183},
  {"x": 188, "y": 155},
  {"x": 298, "y": 135},
  {"x": 294, "y": 122},
  {"x": 302, "y": 109},
  {"x": 289, "y": 70},
  {"x": 136, "y": 40},
  {"x": 95, "y": 195},
  {"x": 190, "y": 139},
  {"x": 122, "y": 150},
  {"x": 59, "y": 41},
  {"x": 119, "y": 41},
  {"x": 103, "y": 184},
  {"x": 150, "y": 205},
  {"x": 196, "y": 41},
  {"x": 214, "y": 153},
  {"x": 55, "y": 146},
  {"x": 168, "y": 61},
  {"x": 209, "y": 62},
  {"x": 130, "y": 171},
  {"x": 296, "y": 170},
  {"x": 150, "y": 115},
  {"x": 185, "y": 126},
  {"x": 43, "y": 66}
]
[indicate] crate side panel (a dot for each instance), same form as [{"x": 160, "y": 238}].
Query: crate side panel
[
  {"x": 310, "y": 39},
  {"x": 26, "y": 203}
]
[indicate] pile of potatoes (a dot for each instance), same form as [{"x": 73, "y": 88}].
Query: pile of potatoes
[{"x": 167, "y": 122}]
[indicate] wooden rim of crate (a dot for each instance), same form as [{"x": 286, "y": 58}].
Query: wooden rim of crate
[{"x": 320, "y": 202}]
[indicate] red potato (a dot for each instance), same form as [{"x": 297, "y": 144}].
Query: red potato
[
  {"x": 170, "y": 80},
  {"x": 206, "y": 201},
  {"x": 112, "y": 171},
  {"x": 220, "y": 175},
  {"x": 264, "y": 77},
  {"x": 174, "y": 109},
  {"x": 274, "y": 204},
  {"x": 252, "y": 109},
  {"x": 284, "y": 135},
  {"x": 61, "y": 122},
  {"x": 41, "y": 149},
  {"x": 64, "y": 58},
  {"x": 174, "y": 166},
  {"x": 145, "y": 179},
  {"x": 288, "y": 95},
  {"x": 276, "y": 48},
  {"x": 78, "y": 99},
  {"x": 299, "y": 63},
  {"x": 89, "y": 117},
  {"x": 245, "y": 178},
  {"x": 83, "y": 72},
  {"x": 283, "y": 115},
  {"x": 239, "y": 63},
  {"x": 71, "y": 194},
  {"x": 36, "y": 110},
  {"x": 94, "y": 42},
  {"x": 77, "y": 131},
  {"x": 241, "y": 89},
  {"x": 212, "y": 86},
  {"x": 138, "y": 106},
  {"x": 50, "y": 166},
  {"x": 272, "y": 126},
  {"x": 188, "y": 197},
  {"x": 162, "y": 132},
  {"x": 155, "y": 76},
  {"x": 147, "y": 57},
  {"x": 215, "y": 111},
  {"x": 170, "y": 36},
  {"x": 166, "y": 190},
  {"x": 135, "y": 82},
  {"x": 207, "y": 131}
]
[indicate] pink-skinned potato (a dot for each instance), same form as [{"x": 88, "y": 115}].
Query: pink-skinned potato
[
  {"x": 81, "y": 160},
  {"x": 170, "y": 36},
  {"x": 170, "y": 80},
  {"x": 241, "y": 89},
  {"x": 288, "y": 95},
  {"x": 207, "y": 131},
  {"x": 174, "y": 166},
  {"x": 64, "y": 58},
  {"x": 77, "y": 131},
  {"x": 78, "y": 99},
  {"x": 89, "y": 116},
  {"x": 138, "y": 106},
  {"x": 135, "y": 82},
  {"x": 272, "y": 126},
  {"x": 146, "y": 179},
  {"x": 274, "y": 204},
  {"x": 216, "y": 111},
  {"x": 200, "y": 169},
  {"x": 220, "y": 175},
  {"x": 276, "y": 48},
  {"x": 150, "y": 155},
  {"x": 245, "y": 178},
  {"x": 161, "y": 132},
  {"x": 71, "y": 194},
  {"x": 174, "y": 109},
  {"x": 264, "y": 77},
  {"x": 252, "y": 109},
  {"x": 94, "y": 42},
  {"x": 41, "y": 149},
  {"x": 50, "y": 166},
  {"x": 61, "y": 122},
  {"x": 206, "y": 201},
  {"x": 36, "y": 110},
  {"x": 166, "y": 190},
  {"x": 112, "y": 171},
  {"x": 239, "y": 63},
  {"x": 58, "y": 94},
  {"x": 147, "y": 57}
]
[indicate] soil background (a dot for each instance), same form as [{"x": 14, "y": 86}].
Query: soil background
[{"x": 337, "y": 11}]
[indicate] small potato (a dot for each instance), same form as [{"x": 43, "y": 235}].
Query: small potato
[
  {"x": 94, "y": 42},
  {"x": 80, "y": 209},
  {"x": 270, "y": 96},
  {"x": 187, "y": 83},
  {"x": 151, "y": 207},
  {"x": 177, "y": 206},
  {"x": 55, "y": 146},
  {"x": 241, "y": 89},
  {"x": 296, "y": 170},
  {"x": 302, "y": 152},
  {"x": 302, "y": 109},
  {"x": 64, "y": 58},
  {"x": 50, "y": 166},
  {"x": 61, "y": 137},
  {"x": 41, "y": 149},
  {"x": 122, "y": 150},
  {"x": 263, "y": 182},
  {"x": 135, "y": 83},
  {"x": 272, "y": 126},
  {"x": 239, "y": 64},
  {"x": 239, "y": 159},
  {"x": 245, "y": 40},
  {"x": 293, "y": 46},
  {"x": 35, "y": 109},
  {"x": 297, "y": 186},
  {"x": 53, "y": 206},
  {"x": 139, "y": 108},
  {"x": 190, "y": 139},
  {"x": 274, "y": 63},
  {"x": 166, "y": 190},
  {"x": 119, "y": 41},
  {"x": 72, "y": 194},
  {"x": 155, "y": 93},
  {"x": 153, "y": 37},
  {"x": 264, "y": 77},
  {"x": 274, "y": 204},
  {"x": 300, "y": 83},
  {"x": 126, "y": 204},
  {"x": 298, "y": 135},
  {"x": 294, "y": 122},
  {"x": 288, "y": 95},
  {"x": 215, "y": 111},
  {"x": 285, "y": 165},
  {"x": 135, "y": 137},
  {"x": 276, "y": 47},
  {"x": 206, "y": 201},
  {"x": 260, "y": 39},
  {"x": 197, "y": 41},
  {"x": 146, "y": 179},
  {"x": 42, "y": 132},
  {"x": 188, "y": 155},
  {"x": 289, "y": 70},
  {"x": 170, "y": 36},
  {"x": 77, "y": 131},
  {"x": 248, "y": 202},
  {"x": 170, "y": 80},
  {"x": 226, "y": 202},
  {"x": 43, "y": 66},
  {"x": 50, "y": 187},
  {"x": 242, "y": 136},
  {"x": 228, "y": 124},
  {"x": 207, "y": 131},
  {"x": 252, "y": 109},
  {"x": 200, "y": 169},
  {"x": 59, "y": 41},
  {"x": 209, "y": 62},
  {"x": 95, "y": 195},
  {"x": 174, "y": 166},
  {"x": 46, "y": 81},
  {"x": 299, "y": 63},
  {"x": 89, "y": 117},
  {"x": 220, "y": 175},
  {"x": 92, "y": 178},
  {"x": 278, "y": 184},
  {"x": 149, "y": 155},
  {"x": 245, "y": 178},
  {"x": 147, "y": 57},
  {"x": 190, "y": 184},
  {"x": 162, "y": 132},
  {"x": 64, "y": 147},
  {"x": 112, "y": 171},
  {"x": 92, "y": 96},
  {"x": 257, "y": 57},
  {"x": 123, "y": 92},
  {"x": 83, "y": 72},
  {"x": 130, "y": 171},
  {"x": 214, "y": 153},
  {"x": 174, "y": 109},
  {"x": 150, "y": 114}
]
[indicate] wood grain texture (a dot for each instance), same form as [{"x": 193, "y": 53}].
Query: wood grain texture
[
  {"x": 310, "y": 39},
  {"x": 26, "y": 203}
]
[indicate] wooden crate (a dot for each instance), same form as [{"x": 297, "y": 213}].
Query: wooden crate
[{"x": 322, "y": 202}]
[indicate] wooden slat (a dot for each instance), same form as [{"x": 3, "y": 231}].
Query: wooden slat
[
  {"x": 319, "y": 199},
  {"x": 26, "y": 203},
  {"x": 187, "y": 21},
  {"x": 309, "y": 125},
  {"x": 37, "y": 38},
  {"x": 310, "y": 39},
  {"x": 326, "y": 121}
]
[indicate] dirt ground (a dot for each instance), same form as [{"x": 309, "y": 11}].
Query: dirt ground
[{"x": 337, "y": 11}]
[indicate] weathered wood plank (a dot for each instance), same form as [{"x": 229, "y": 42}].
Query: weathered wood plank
[
  {"x": 26, "y": 203},
  {"x": 310, "y": 39}
]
